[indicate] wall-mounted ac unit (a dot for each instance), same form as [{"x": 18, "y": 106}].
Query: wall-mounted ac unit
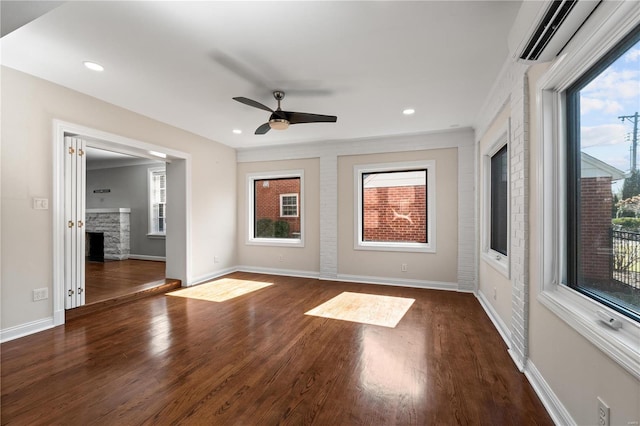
[{"x": 543, "y": 28}]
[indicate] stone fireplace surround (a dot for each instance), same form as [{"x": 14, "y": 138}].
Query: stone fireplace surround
[{"x": 115, "y": 224}]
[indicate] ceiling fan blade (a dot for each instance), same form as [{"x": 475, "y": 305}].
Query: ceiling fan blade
[
  {"x": 252, "y": 103},
  {"x": 263, "y": 129},
  {"x": 303, "y": 117}
]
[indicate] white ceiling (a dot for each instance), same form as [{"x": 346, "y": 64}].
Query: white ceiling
[{"x": 182, "y": 62}]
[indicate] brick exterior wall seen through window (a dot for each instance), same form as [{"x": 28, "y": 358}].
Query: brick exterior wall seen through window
[
  {"x": 595, "y": 229},
  {"x": 267, "y": 201},
  {"x": 395, "y": 214}
]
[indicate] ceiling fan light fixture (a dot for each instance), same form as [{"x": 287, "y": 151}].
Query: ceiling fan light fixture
[{"x": 279, "y": 124}]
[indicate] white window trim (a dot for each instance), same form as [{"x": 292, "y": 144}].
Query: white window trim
[
  {"x": 498, "y": 261},
  {"x": 279, "y": 242},
  {"x": 607, "y": 26},
  {"x": 359, "y": 170},
  {"x": 297, "y": 205},
  {"x": 150, "y": 171}
]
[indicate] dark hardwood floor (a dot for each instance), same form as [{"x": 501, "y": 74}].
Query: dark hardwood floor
[
  {"x": 258, "y": 360},
  {"x": 112, "y": 279}
]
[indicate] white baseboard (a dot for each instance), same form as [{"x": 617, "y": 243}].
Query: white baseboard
[
  {"x": 495, "y": 319},
  {"x": 211, "y": 276},
  {"x": 146, "y": 257},
  {"x": 276, "y": 271},
  {"x": 555, "y": 408},
  {"x": 398, "y": 282},
  {"x": 26, "y": 329}
]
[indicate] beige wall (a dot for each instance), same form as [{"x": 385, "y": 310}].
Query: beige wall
[
  {"x": 489, "y": 279},
  {"x": 302, "y": 259},
  {"x": 440, "y": 266},
  {"x": 575, "y": 369},
  {"x": 29, "y": 106}
]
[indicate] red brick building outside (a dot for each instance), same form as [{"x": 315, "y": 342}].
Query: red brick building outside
[
  {"x": 395, "y": 214},
  {"x": 268, "y": 198},
  {"x": 595, "y": 236},
  {"x": 595, "y": 228}
]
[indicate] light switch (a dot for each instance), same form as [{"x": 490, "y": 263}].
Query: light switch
[{"x": 41, "y": 203}]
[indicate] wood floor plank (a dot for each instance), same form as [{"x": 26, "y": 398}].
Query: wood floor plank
[{"x": 257, "y": 359}]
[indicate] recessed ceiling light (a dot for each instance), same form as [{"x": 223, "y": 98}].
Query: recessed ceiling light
[
  {"x": 408, "y": 111},
  {"x": 237, "y": 131},
  {"x": 93, "y": 66}
]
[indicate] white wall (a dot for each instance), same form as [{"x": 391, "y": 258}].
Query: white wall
[
  {"x": 295, "y": 260},
  {"x": 332, "y": 254},
  {"x": 29, "y": 106},
  {"x": 567, "y": 371},
  {"x": 493, "y": 287},
  {"x": 129, "y": 187},
  {"x": 438, "y": 267}
]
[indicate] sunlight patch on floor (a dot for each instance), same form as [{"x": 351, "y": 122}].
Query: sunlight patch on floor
[
  {"x": 371, "y": 309},
  {"x": 220, "y": 290}
]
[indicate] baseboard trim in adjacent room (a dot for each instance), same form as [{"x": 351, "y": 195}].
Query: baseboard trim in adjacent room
[
  {"x": 495, "y": 319},
  {"x": 398, "y": 282},
  {"x": 26, "y": 329},
  {"x": 147, "y": 257},
  {"x": 554, "y": 406}
]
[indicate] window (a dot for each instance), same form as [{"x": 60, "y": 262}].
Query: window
[
  {"x": 603, "y": 251},
  {"x": 275, "y": 208},
  {"x": 496, "y": 205},
  {"x": 394, "y": 206},
  {"x": 289, "y": 205},
  {"x": 584, "y": 157},
  {"x": 157, "y": 201}
]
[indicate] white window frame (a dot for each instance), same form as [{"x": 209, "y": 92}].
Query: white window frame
[
  {"x": 498, "y": 261},
  {"x": 609, "y": 24},
  {"x": 282, "y": 196},
  {"x": 154, "y": 233},
  {"x": 279, "y": 242},
  {"x": 360, "y": 170}
]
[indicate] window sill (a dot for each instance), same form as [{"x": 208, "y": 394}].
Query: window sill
[
  {"x": 406, "y": 247},
  {"x": 276, "y": 242},
  {"x": 497, "y": 261},
  {"x": 156, "y": 236},
  {"x": 579, "y": 312}
]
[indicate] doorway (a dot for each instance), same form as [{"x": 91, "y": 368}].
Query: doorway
[
  {"x": 125, "y": 223},
  {"x": 176, "y": 239}
]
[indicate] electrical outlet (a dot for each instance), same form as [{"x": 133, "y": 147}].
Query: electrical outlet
[
  {"x": 281, "y": 258},
  {"x": 495, "y": 293},
  {"x": 603, "y": 413},
  {"x": 40, "y": 294},
  {"x": 216, "y": 259},
  {"x": 403, "y": 267},
  {"x": 41, "y": 203}
]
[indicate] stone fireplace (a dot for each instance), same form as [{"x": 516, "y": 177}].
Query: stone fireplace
[{"x": 115, "y": 225}]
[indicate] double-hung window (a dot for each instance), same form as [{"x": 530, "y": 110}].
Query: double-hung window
[
  {"x": 496, "y": 205},
  {"x": 395, "y": 206},
  {"x": 589, "y": 244},
  {"x": 274, "y": 203},
  {"x": 157, "y": 201}
]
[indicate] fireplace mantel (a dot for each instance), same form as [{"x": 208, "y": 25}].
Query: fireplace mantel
[{"x": 115, "y": 224}]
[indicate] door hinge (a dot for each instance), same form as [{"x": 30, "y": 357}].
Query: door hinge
[
  {"x": 80, "y": 290},
  {"x": 70, "y": 224},
  {"x": 70, "y": 292},
  {"x": 80, "y": 224},
  {"x": 80, "y": 152},
  {"x": 71, "y": 150}
]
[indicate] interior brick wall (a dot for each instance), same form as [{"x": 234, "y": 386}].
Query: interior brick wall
[
  {"x": 595, "y": 228},
  {"x": 267, "y": 200},
  {"x": 380, "y": 222}
]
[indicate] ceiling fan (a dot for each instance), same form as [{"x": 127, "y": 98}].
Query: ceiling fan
[{"x": 279, "y": 119}]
